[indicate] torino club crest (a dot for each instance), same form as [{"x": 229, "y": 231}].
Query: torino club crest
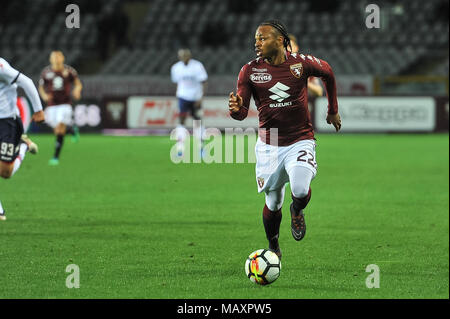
[
  {"x": 260, "y": 182},
  {"x": 297, "y": 70}
]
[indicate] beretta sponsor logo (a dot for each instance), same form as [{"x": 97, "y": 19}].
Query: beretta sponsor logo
[{"x": 260, "y": 77}]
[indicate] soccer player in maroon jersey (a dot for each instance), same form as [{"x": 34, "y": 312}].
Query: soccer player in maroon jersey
[
  {"x": 285, "y": 150},
  {"x": 57, "y": 85}
]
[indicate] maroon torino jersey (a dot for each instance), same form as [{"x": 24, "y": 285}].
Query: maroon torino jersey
[
  {"x": 281, "y": 97},
  {"x": 58, "y": 84}
]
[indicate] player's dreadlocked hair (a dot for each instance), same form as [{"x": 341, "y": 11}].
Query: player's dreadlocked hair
[{"x": 282, "y": 29}]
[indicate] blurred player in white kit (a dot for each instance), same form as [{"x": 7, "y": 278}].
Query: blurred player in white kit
[
  {"x": 13, "y": 142},
  {"x": 190, "y": 76}
]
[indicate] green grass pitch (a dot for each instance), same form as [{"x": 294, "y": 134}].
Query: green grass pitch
[{"x": 140, "y": 226}]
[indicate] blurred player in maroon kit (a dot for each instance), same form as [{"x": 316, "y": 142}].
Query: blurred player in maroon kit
[
  {"x": 285, "y": 150},
  {"x": 55, "y": 88}
]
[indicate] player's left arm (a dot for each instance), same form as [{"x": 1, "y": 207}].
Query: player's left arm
[
  {"x": 77, "y": 87},
  {"x": 320, "y": 68},
  {"x": 198, "y": 103},
  {"x": 202, "y": 76}
]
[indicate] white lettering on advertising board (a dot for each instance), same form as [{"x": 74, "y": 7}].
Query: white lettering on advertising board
[{"x": 379, "y": 114}]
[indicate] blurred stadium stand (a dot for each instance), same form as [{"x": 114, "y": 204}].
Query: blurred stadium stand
[{"x": 140, "y": 38}]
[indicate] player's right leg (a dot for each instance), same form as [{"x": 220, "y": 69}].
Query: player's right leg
[
  {"x": 272, "y": 218},
  {"x": 198, "y": 129},
  {"x": 2, "y": 212},
  {"x": 180, "y": 129},
  {"x": 60, "y": 117},
  {"x": 271, "y": 178}
]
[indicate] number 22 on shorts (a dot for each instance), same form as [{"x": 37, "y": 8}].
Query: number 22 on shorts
[{"x": 307, "y": 157}]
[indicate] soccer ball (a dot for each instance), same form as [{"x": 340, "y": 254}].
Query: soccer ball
[{"x": 262, "y": 267}]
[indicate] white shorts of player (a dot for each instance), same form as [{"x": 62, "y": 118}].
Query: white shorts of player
[
  {"x": 57, "y": 114},
  {"x": 275, "y": 163}
]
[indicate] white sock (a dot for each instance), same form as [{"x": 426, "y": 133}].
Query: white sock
[
  {"x": 1, "y": 208},
  {"x": 22, "y": 151}
]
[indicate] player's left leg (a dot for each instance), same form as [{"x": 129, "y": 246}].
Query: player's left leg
[
  {"x": 198, "y": 129},
  {"x": 74, "y": 131},
  {"x": 63, "y": 118},
  {"x": 72, "y": 128},
  {"x": 60, "y": 132},
  {"x": 300, "y": 179},
  {"x": 9, "y": 168},
  {"x": 272, "y": 218},
  {"x": 180, "y": 129},
  {"x": 301, "y": 168}
]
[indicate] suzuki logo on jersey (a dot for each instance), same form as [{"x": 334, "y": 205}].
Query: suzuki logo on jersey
[
  {"x": 279, "y": 90},
  {"x": 260, "y": 77}
]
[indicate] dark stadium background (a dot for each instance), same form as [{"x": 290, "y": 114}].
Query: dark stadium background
[
  {"x": 126, "y": 48},
  {"x": 113, "y": 204}
]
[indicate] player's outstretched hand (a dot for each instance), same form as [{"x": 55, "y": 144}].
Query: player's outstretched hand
[
  {"x": 38, "y": 117},
  {"x": 234, "y": 102},
  {"x": 334, "y": 119}
]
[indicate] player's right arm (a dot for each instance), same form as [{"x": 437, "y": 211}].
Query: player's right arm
[
  {"x": 30, "y": 90},
  {"x": 238, "y": 104},
  {"x": 10, "y": 75},
  {"x": 173, "y": 73},
  {"x": 45, "y": 97}
]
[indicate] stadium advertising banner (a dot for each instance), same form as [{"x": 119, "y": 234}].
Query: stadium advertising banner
[
  {"x": 146, "y": 112},
  {"x": 114, "y": 112},
  {"x": 379, "y": 114},
  {"x": 86, "y": 115}
]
